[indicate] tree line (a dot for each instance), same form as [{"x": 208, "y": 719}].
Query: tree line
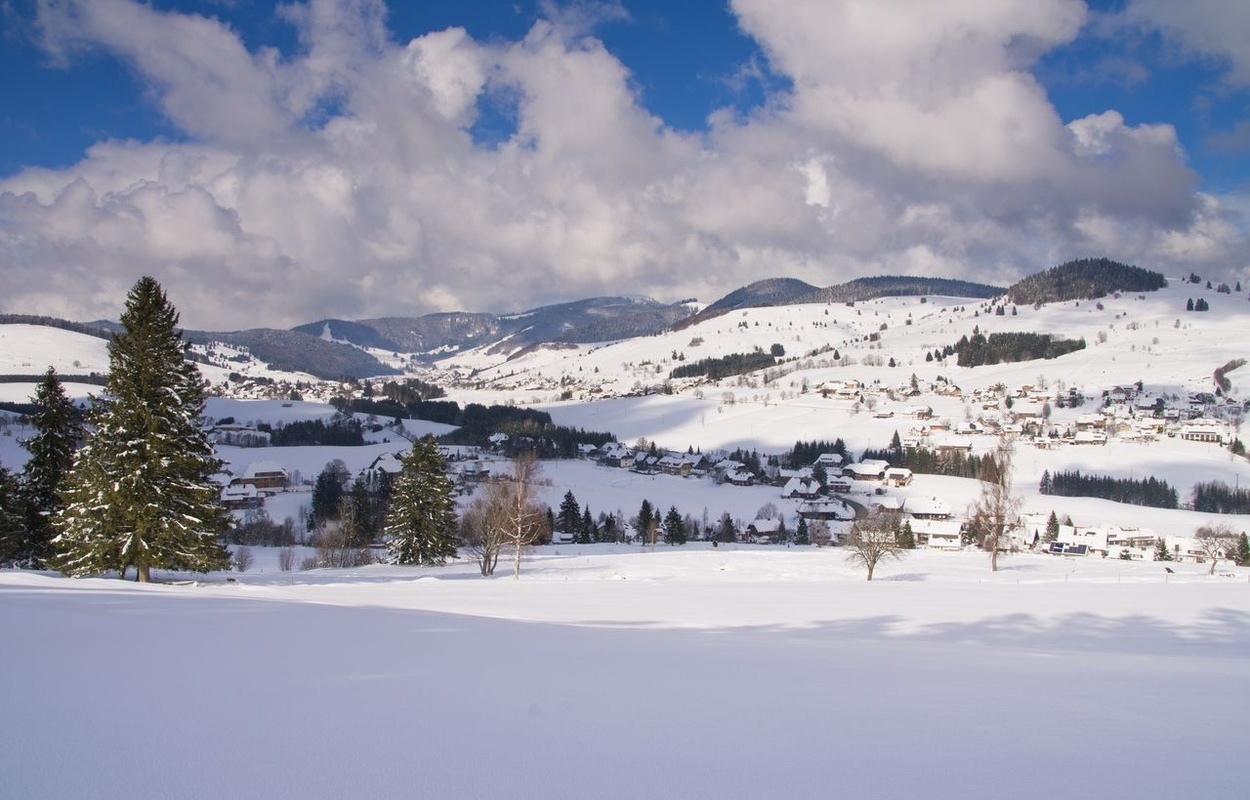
[
  {"x": 1144, "y": 492},
  {"x": 1220, "y": 498},
  {"x": 1084, "y": 279},
  {"x": 718, "y": 367},
  {"x": 1009, "y": 348}
]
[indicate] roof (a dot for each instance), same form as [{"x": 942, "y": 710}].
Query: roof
[{"x": 257, "y": 468}]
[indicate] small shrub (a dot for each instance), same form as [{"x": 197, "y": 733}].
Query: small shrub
[{"x": 243, "y": 559}]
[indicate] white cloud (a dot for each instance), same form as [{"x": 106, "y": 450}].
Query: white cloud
[
  {"x": 342, "y": 180},
  {"x": 1217, "y": 29}
]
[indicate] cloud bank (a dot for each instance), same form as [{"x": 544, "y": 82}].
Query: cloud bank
[{"x": 344, "y": 180}]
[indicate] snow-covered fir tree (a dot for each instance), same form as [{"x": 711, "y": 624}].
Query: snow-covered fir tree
[
  {"x": 139, "y": 492},
  {"x": 421, "y": 521},
  {"x": 57, "y": 434}
]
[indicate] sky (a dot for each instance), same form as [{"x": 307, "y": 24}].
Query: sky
[{"x": 278, "y": 163}]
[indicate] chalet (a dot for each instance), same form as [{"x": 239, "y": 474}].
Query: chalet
[
  {"x": 936, "y": 534},
  {"x": 898, "y": 476},
  {"x": 1090, "y": 422},
  {"x": 615, "y": 454},
  {"x": 675, "y": 465},
  {"x": 920, "y": 412},
  {"x": 265, "y": 475},
  {"x": 801, "y": 488},
  {"x": 740, "y": 477},
  {"x": 241, "y": 496},
  {"x": 827, "y": 511},
  {"x": 927, "y": 508},
  {"x": 840, "y": 485},
  {"x": 829, "y": 460},
  {"x": 871, "y": 470},
  {"x": 883, "y": 413},
  {"x": 765, "y": 531},
  {"x": 1089, "y": 437}
]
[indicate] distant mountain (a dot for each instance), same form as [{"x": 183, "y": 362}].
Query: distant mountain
[
  {"x": 768, "y": 292},
  {"x": 790, "y": 291},
  {"x": 294, "y": 351},
  {"x": 1084, "y": 279},
  {"x": 899, "y": 286},
  {"x": 435, "y": 335}
]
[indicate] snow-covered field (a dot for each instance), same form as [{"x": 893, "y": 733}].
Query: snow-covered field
[
  {"x": 688, "y": 672},
  {"x": 735, "y": 672}
]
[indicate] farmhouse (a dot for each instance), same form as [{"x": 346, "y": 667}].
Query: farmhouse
[
  {"x": 264, "y": 475},
  {"x": 765, "y": 531},
  {"x": 240, "y": 497},
  {"x": 871, "y": 470},
  {"x": 802, "y": 488},
  {"x": 898, "y": 476}
]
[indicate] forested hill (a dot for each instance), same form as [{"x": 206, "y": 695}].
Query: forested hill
[
  {"x": 1084, "y": 279},
  {"x": 898, "y": 286}
]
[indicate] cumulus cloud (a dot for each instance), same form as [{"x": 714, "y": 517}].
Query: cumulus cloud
[{"x": 343, "y": 179}]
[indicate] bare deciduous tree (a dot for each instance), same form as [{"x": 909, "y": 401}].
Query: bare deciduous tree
[
  {"x": 1216, "y": 542},
  {"x": 996, "y": 510},
  {"x": 505, "y": 515},
  {"x": 873, "y": 539}
]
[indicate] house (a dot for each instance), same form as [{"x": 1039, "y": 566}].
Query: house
[
  {"x": 871, "y": 470},
  {"x": 1202, "y": 431},
  {"x": 241, "y": 496},
  {"x": 927, "y": 508},
  {"x": 826, "y": 510},
  {"x": 765, "y": 531},
  {"x": 936, "y": 534},
  {"x": 265, "y": 475},
  {"x": 740, "y": 477},
  {"x": 840, "y": 485},
  {"x": 802, "y": 488},
  {"x": 829, "y": 460},
  {"x": 615, "y": 454},
  {"x": 1089, "y": 437},
  {"x": 675, "y": 465},
  {"x": 898, "y": 476}
]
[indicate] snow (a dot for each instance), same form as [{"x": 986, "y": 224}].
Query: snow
[
  {"x": 737, "y": 671},
  {"x": 613, "y": 672}
]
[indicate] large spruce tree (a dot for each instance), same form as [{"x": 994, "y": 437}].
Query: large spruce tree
[
  {"x": 421, "y": 521},
  {"x": 139, "y": 494},
  {"x": 57, "y": 434}
]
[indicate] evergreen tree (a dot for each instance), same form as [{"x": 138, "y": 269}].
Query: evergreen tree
[
  {"x": 674, "y": 527},
  {"x": 327, "y": 492},
  {"x": 820, "y": 474},
  {"x": 57, "y": 433},
  {"x": 1242, "y": 553},
  {"x": 362, "y": 514},
  {"x": 648, "y": 522},
  {"x": 802, "y": 536},
  {"x": 1052, "y": 527},
  {"x": 570, "y": 517},
  {"x": 139, "y": 492},
  {"x": 421, "y": 521},
  {"x": 907, "y": 537},
  {"x": 588, "y": 532},
  {"x": 1046, "y": 485},
  {"x": 1162, "y": 553},
  {"x": 14, "y": 542}
]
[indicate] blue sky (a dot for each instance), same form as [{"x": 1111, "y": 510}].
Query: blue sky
[{"x": 644, "y": 146}]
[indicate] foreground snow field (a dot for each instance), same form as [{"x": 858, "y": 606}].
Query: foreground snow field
[{"x": 613, "y": 672}]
